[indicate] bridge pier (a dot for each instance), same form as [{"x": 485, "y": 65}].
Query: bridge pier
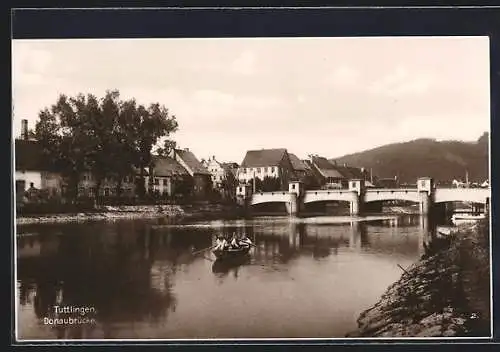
[
  {"x": 292, "y": 207},
  {"x": 425, "y": 203},
  {"x": 355, "y": 205},
  {"x": 425, "y": 189},
  {"x": 357, "y": 187}
]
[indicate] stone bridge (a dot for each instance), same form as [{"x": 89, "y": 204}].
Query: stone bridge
[{"x": 425, "y": 194}]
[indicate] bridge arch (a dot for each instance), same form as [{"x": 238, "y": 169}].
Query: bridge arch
[
  {"x": 328, "y": 196},
  {"x": 272, "y": 197},
  {"x": 473, "y": 195},
  {"x": 381, "y": 195}
]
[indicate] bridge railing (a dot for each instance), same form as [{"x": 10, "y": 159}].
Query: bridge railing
[
  {"x": 272, "y": 193},
  {"x": 391, "y": 190},
  {"x": 328, "y": 191}
]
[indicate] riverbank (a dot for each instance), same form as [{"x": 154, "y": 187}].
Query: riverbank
[
  {"x": 172, "y": 212},
  {"x": 445, "y": 294}
]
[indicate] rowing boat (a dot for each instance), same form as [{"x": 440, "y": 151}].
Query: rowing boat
[{"x": 231, "y": 252}]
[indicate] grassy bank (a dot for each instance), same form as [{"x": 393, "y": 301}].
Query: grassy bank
[{"x": 446, "y": 293}]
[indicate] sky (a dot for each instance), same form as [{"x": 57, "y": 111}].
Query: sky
[{"x": 326, "y": 96}]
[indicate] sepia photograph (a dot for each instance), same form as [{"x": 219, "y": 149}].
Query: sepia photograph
[{"x": 252, "y": 188}]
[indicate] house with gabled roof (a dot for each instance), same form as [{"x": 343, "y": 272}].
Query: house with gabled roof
[
  {"x": 202, "y": 182},
  {"x": 300, "y": 168},
  {"x": 352, "y": 172},
  {"x": 165, "y": 175},
  {"x": 263, "y": 163},
  {"x": 327, "y": 173}
]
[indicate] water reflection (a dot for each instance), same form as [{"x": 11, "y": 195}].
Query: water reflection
[{"x": 137, "y": 272}]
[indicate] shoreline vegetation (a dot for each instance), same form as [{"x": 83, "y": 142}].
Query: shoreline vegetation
[{"x": 445, "y": 294}]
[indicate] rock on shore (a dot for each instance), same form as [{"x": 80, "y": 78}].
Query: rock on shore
[{"x": 445, "y": 294}]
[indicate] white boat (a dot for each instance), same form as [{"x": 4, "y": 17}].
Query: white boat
[{"x": 464, "y": 218}]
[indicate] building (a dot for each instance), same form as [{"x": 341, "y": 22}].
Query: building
[
  {"x": 274, "y": 163},
  {"x": 217, "y": 171},
  {"x": 31, "y": 171},
  {"x": 300, "y": 168},
  {"x": 202, "y": 179},
  {"x": 87, "y": 185},
  {"x": 351, "y": 172},
  {"x": 327, "y": 173},
  {"x": 166, "y": 176}
]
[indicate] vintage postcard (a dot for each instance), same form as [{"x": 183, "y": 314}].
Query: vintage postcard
[{"x": 258, "y": 188}]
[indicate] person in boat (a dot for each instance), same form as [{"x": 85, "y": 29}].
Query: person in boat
[
  {"x": 221, "y": 243},
  {"x": 245, "y": 241},
  {"x": 234, "y": 243}
]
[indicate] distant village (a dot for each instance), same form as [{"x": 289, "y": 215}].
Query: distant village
[{"x": 181, "y": 174}]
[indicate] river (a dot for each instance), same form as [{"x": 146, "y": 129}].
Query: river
[{"x": 306, "y": 278}]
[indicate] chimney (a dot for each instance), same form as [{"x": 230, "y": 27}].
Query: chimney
[
  {"x": 24, "y": 129},
  {"x": 186, "y": 149}
]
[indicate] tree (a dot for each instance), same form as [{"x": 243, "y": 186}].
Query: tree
[
  {"x": 65, "y": 137},
  {"x": 153, "y": 123},
  {"x": 229, "y": 184},
  {"x": 108, "y": 137},
  {"x": 270, "y": 184},
  {"x": 258, "y": 184},
  {"x": 167, "y": 146}
]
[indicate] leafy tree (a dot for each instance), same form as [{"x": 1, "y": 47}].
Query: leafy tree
[
  {"x": 108, "y": 137},
  {"x": 271, "y": 184},
  {"x": 63, "y": 132},
  {"x": 229, "y": 184},
  {"x": 258, "y": 184},
  {"x": 154, "y": 122},
  {"x": 167, "y": 146}
]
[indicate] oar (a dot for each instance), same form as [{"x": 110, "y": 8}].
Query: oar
[{"x": 203, "y": 250}]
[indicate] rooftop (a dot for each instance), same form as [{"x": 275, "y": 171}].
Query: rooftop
[
  {"x": 326, "y": 168},
  {"x": 263, "y": 157},
  {"x": 297, "y": 164},
  {"x": 192, "y": 162},
  {"x": 165, "y": 166}
]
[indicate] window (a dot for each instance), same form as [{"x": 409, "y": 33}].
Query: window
[
  {"x": 273, "y": 169},
  {"x": 106, "y": 191},
  {"x": 241, "y": 189},
  {"x": 258, "y": 170},
  {"x": 293, "y": 186},
  {"x": 156, "y": 181}
]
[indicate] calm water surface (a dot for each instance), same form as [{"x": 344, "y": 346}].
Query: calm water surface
[{"x": 305, "y": 277}]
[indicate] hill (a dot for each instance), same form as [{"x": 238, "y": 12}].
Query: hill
[{"x": 442, "y": 160}]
